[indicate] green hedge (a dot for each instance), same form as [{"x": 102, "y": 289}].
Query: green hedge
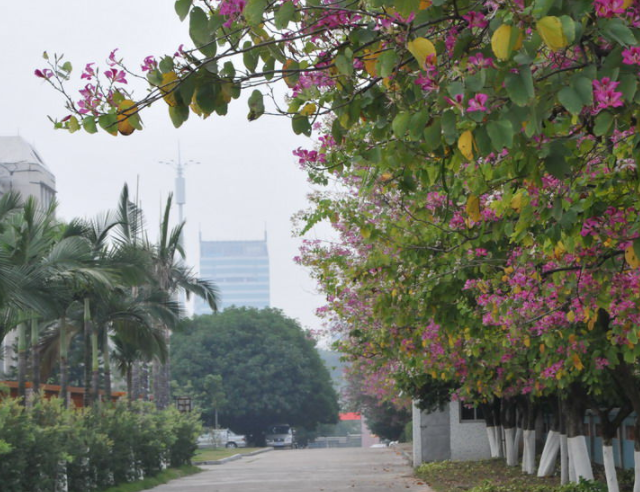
[{"x": 92, "y": 449}]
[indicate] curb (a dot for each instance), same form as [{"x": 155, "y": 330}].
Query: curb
[
  {"x": 235, "y": 457},
  {"x": 404, "y": 454}
]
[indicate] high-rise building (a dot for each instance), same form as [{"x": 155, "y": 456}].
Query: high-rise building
[
  {"x": 240, "y": 270},
  {"x": 24, "y": 171}
]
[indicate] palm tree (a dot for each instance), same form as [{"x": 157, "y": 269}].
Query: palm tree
[{"x": 172, "y": 274}]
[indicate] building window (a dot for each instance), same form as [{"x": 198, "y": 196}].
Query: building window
[{"x": 470, "y": 414}]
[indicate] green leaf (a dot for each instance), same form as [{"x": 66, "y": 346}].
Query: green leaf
[
  {"x": 182, "y": 8},
  {"x": 73, "y": 125},
  {"x": 584, "y": 88},
  {"x": 417, "y": 124},
  {"x": 166, "y": 65},
  {"x": 179, "y": 114},
  {"x": 284, "y": 15},
  {"x": 571, "y": 100},
  {"x": 520, "y": 86},
  {"x": 541, "y": 7},
  {"x": 250, "y": 57},
  {"x": 386, "y": 63},
  {"x": 617, "y": 30},
  {"x": 555, "y": 163},
  {"x": 200, "y": 33},
  {"x": 344, "y": 65},
  {"x": 400, "y": 124},
  {"x": 253, "y": 11},
  {"x": 602, "y": 123},
  {"x": 256, "y": 105},
  {"x": 636, "y": 247},
  {"x": 206, "y": 95},
  {"x": 108, "y": 122},
  {"x": 433, "y": 135},
  {"x": 501, "y": 134},
  {"x": 301, "y": 125},
  {"x": 628, "y": 86},
  {"x": 449, "y": 131},
  {"x": 89, "y": 124}
]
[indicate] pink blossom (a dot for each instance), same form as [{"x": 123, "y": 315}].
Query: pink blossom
[
  {"x": 479, "y": 61},
  {"x": 605, "y": 94},
  {"x": 476, "y": 19},
  {"x": 631, "y": 55},
  {"x": 88, "y": 73},
  {"x": 608, "y": 8},
  {"x": 116, "y": 76},
  {"x": 44, "y": 73},
  {"x": 149, "y": 63},
  {"x": 477, "y": 103},
  {"x": 112, "y": 58}
]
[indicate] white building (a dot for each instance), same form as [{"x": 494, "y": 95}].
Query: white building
[{"x": 22, "y": 170}]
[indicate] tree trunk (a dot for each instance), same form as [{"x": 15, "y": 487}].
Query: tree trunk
[
  {"x": 509, "y": 425},
  {"x": 35, "y": 355},
  {"x": 95, "y": 366},
  {"x": 64, "y": 362},
  {"x": 490, "y": 422},
  {"x": 162, "y": 377},
  {"x": 564, "y": 449},
  {"x": 552, "y": 445},
  {"x": 136, "y": 370},
  {"x": 106, "y": 360},
  {"x": 529, "y": 413},
  {"x": 87, "y": 354},
  {"x": 610, "y": 428},
  {"x": 579, "y": 461},
  {"x": 22, "y": 362},
  {"x": 129, "y": 385}
]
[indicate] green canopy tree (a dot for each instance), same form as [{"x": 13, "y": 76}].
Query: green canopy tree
[{"x": 269, "y": 368}]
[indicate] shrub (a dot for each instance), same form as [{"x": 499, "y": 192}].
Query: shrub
[{"x": 90, "y": 449}]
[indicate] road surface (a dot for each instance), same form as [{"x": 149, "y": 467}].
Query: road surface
[{"x": 306, "y": 470}]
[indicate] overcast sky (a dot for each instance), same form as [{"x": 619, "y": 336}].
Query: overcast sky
[{"x": 247, "y": 178}]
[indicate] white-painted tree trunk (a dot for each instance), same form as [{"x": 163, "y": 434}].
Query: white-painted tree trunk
[
  {"x": 579, "y": 458},
  {"x": 529, "y": 461},
  {"x": 549, "y": 454},
  {"x": 518, "y": 441},
  {"x": 493, "y": 445},
  {"x": 564, "y": 459},
  {"x": 636, "y": 463},
  {"x": 525, "y": 451},
  {"x": 610, "y": 469},
  {"x": 512, "y": 450},
  {"x": 499, "y": 441}
]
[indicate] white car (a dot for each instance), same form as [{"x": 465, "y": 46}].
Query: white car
[
  {"x": 218, "y": 438},
  {"x": 280, "y": 436}
]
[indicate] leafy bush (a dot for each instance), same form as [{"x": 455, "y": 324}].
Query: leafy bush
[{"x": 44, "y": 446}]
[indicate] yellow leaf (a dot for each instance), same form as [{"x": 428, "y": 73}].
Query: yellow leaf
[
  {"x": 126, "y": 109},
  {"x": 465, "y": 144},
  {"x": 308, "y": 109},
  {"x": 571, "y": 317},
  {"x": 516, "y": 202},
  {"x": 626, "y": 4},
  {"x": 370, "y": 59},
  {"x": 630, "y": 256},
  {"x": 425, "y": 4},
  {"x": 542, "y": 348},
  {"x": 505, "y": 40},
  {"x": 559, "y": 250},
  {"x": 550, "y": 30},
  {"x": 169, "y": 82},
  {"x": 577, "y": 363},
  {"x": 473, "y": 208},
  {"x": 527, "y": 342},
  {"x": 423, "y": 51}
]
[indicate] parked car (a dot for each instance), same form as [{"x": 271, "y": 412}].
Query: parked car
[
  {"x": 218, "y": 438},
  {"x": 280, "y": 436}
]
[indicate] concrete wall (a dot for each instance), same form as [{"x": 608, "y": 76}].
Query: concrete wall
[
  {"x": 431, "y": 436},
  {"x": 469, "y": 439}
]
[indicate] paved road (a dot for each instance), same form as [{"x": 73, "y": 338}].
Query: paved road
[{"x": 306, "y": 470}]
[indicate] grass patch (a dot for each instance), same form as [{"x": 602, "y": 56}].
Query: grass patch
[
  {"x": 214, "y": 454},
  {"x": 493, "y": 476},
  {"x": 160, "y": 479}
]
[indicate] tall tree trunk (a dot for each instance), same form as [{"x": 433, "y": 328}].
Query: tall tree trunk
[
  {"x": 552, "y": 445},
  {"x": 87, "y": 353},
  {"x": 22, "y": 362},
  {"x": 136, "y": 370},
  {"x": 579, "y": 460},
  {"x": 610, "y": 424},
  {"x": 129, "y": 385},
  {"x": 95, "y": 366},
  {"x": 529, "y": 434},
  {"x": 509, "y": 424},
  {"x": 161, "y": 377},
  {"x": 35, "y": 355},
  {"x": 64, "y": 362},
  {"x": 106, "y": 360}
]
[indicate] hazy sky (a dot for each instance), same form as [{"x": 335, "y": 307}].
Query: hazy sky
[{"x": 247, "y": 177}]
